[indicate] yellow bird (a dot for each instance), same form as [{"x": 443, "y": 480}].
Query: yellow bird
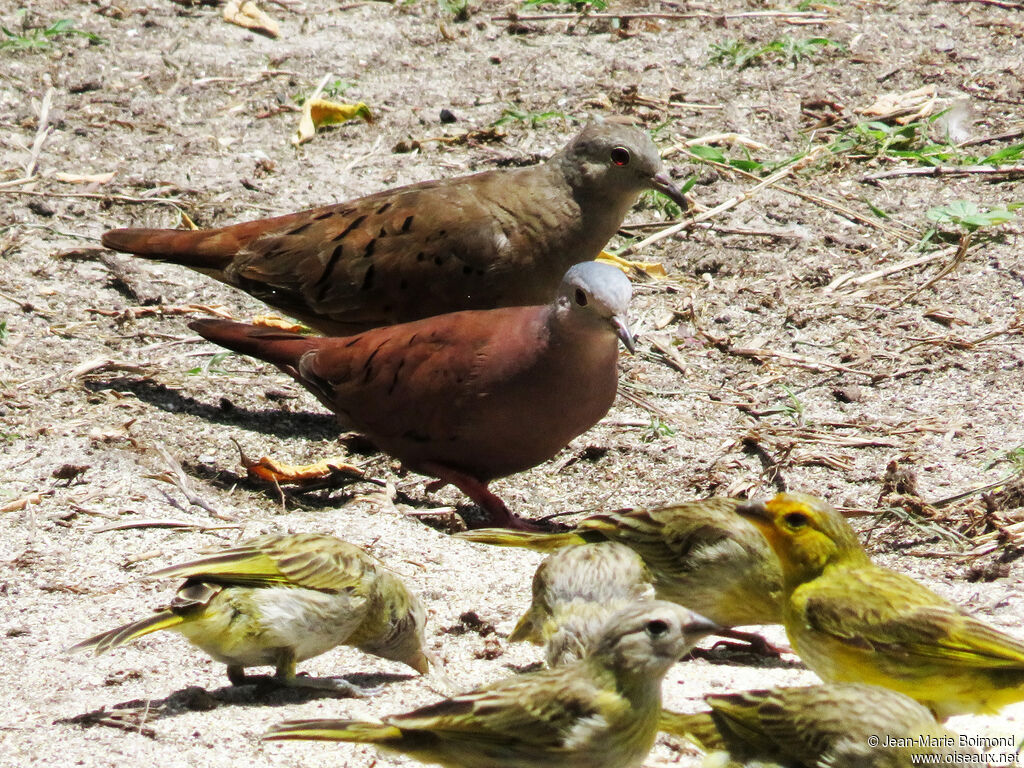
[
  {"x": 278, "y": 600},
  {"x": 853, "y": 621},
  {"x": 819, "y": 725},
  {"x": 701, "y": 555},
  {"x": 599, "y": 712},
  {"x": 575, "y": 591}
]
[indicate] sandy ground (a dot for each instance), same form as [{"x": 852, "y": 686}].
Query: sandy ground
[{"x": 98, "y": 373}]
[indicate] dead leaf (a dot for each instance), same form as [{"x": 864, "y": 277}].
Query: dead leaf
[
  {"x": 918, "y": 103},
  {"x": 247, "y": 14},
  {"x": 278, "y": 472},
  {"x": 317, "y": 113},
  {"x": 273, "y": 321},
  {"x": 651, "y": 269}
]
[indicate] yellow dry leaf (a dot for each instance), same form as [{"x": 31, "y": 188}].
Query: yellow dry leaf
[
  {"x": 245, "y": 13},
  {"x": 317, "y": 113},
  {"x": 649, "y": 268},
  {"x": 273, "y": 321},
  {"x": 281, "y": 473}
]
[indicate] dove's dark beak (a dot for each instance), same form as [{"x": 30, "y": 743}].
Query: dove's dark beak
[
  {"x": 625, "y": 335},
  {"x": 662, "y": 183}
]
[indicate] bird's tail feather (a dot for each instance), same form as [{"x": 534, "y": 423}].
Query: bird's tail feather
[
  {"x": 698, "y": 728},
  {"x": 282, "y": 348},
  {"x": 538, "y": 542},
  {"x": 114, "y": 638},
  {"x": 333, "y": 730},
  {"x": 204, "y": 249}
]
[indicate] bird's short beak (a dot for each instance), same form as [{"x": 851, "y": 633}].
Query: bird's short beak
[
  {"x": 699, "y": 626},
  {"x": 662, "y": 183},
  {"x": 625, "y": 335},
  {"x": 421, "y": 662},
  {"x": 754, "y": 511}
]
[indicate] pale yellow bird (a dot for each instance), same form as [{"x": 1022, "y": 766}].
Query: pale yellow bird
[
  {"x": 575, "y": 591},
  {"x": 599, "y": 712},
  {"x": 839, "y": 725},
  {"x": 700, "y": 553},
  {"x": 853, "y": 621},
  {"x": 279, "y": 600}
]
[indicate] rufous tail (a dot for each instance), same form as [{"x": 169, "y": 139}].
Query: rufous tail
[{"x": 282, "y": 348}]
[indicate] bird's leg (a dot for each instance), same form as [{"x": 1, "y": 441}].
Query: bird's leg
[
  {"x": 237, "y": 675},
  {"x": 749, "y": 641},
  {"x": 286, "y": 676},
  {"x": 499, "y": 515}
]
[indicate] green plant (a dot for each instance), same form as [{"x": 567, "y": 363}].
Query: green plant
[
  {"x": 212, "y": 367},
  {"x": 794, "y": 408},
  {"x": 458, "y": 8},
  {"x": 810, "y": 5},
  {"x": 735, "y": 53},
  {"x": 658, "y": 202},
  {"x": 531, "y": 119},
  {"x": 1013, "y": 456},
  {"x": 332, "y": 90},
  {"x": 41, "y": 38},
  {"x": 3, "y": 331},
  {"x": 970, "y": 216},
  {"x": 913, "y": 142},
  {"x": 715, "y": 155},
  {"x": 657, "y": 430}
]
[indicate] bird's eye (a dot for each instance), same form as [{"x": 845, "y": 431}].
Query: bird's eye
[
  {"x": 656, "y": 628},
  {"x": 620, "y": 156},
  {"x": 796, "y": 520},
  {"x": 581, "y": 297}
]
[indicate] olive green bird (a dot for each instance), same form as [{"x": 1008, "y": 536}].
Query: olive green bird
[
  {"x": 278, "y": 600},
  {"x": 853, "y": 621},
  {"x": 701, "y": 555},
  {"x": 599, "y": 712},
  {"x": 575, "y": 591},
  {"x": 816, "y": 726}
]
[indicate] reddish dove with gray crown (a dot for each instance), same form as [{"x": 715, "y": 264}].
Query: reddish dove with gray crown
[
  {"x": 469, "y": 396},
  {"x": 500, "y": 238}
]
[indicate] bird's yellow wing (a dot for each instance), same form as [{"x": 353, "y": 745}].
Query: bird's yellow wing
[
  {"x": 541, "y": 708},
  {"x": 313, "y": 561},
  {"x": 874, "y": 608}
]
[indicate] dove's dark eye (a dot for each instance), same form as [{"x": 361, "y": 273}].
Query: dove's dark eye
[
  {"x": 620, "y": 156},
  {"x": 796, "y": 520},
  {"x": 656, "y": 628},
  {"x": 581, "y": 297}
]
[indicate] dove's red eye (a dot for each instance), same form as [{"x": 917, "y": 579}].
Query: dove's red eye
[{"x": 620, "y": 156}]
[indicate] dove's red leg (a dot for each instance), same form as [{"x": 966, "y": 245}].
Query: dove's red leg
[{"x": 499, "y": 515}]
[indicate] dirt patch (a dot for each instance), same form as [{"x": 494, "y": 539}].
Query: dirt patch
[{"x": 766, "y": 360}]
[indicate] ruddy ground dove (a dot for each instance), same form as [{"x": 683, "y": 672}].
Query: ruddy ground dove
[
  {"x": 470, "y": 396},
  {"x": 494, "y": 239}
]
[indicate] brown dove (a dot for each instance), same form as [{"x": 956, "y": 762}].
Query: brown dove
[
  {"x": 499, "y": 238},
  {"x": 469, "y": 396}
]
